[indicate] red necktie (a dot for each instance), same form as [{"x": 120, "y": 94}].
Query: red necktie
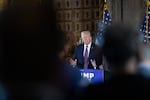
[{"x": 86, "y": 58}]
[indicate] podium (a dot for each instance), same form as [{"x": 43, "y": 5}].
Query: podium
[{"x": 94, "y": 76}]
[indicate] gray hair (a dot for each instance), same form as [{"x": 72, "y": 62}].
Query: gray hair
[{"x": 84, "y": 33}]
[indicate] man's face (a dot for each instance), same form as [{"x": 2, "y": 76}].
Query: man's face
[{"x": 86, "y": 38}]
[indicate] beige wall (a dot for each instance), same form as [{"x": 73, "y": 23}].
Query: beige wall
[{"x": 133, "y": 11}]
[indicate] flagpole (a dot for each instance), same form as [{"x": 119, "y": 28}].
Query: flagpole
[{"x": 147, "y": 21}]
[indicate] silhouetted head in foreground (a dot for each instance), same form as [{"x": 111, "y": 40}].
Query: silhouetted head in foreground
[
  {"x": 30, "y": 44},
  {"x": 30, "y": 40},
  {"x": 121, "y": 48}
]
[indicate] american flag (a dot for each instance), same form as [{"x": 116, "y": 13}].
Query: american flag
[
  {"x": 145, "y": 27},
  {"x": 102, "y": 24},
  {"x": 106, "y": 16}
]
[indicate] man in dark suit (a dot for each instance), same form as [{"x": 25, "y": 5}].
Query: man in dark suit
[{"x": 86, "y": 55}]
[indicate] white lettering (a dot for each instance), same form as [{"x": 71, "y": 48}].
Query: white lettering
[{"x": 88, "y": 76}]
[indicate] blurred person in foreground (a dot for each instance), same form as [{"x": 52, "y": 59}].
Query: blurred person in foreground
[
  {"x": 144, "y": 64},
  {"x": 73, "y": 75},
  {"x": 121, "y": 51},
  {"x": 31, "y": 69},
  {"x": 85, "y": 54}
]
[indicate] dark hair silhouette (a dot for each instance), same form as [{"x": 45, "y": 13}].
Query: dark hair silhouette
[{"x": 120, "y": 44}]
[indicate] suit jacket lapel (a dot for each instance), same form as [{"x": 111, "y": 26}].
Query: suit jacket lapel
[
  {"x": 82, "y": 50},
  {"x": 91, "y": 49}
]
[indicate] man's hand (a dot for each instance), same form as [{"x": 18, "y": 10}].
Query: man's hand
[
  {"x": 93, "y": 62},
  {"x": 73, "y": 62}
]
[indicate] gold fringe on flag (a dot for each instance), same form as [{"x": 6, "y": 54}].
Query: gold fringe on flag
[{"x": 148, "y": 4}]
